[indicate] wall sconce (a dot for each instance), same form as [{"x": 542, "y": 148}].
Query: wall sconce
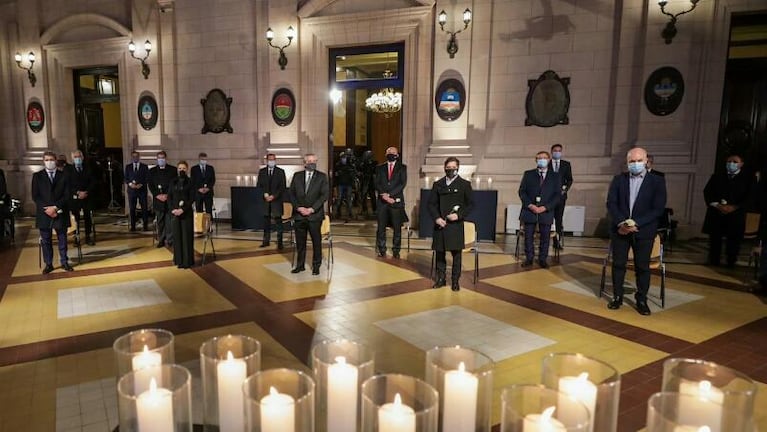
[
  {"x": 31, "y": 60},
  {"x": 452, "y": 45},
  {"x": 291, "y": 33},
  {"x": 669, "y": 31},
  {"x": 147, "y": 49}
]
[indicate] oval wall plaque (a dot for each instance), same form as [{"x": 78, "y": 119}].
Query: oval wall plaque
[
  {"x": 35, "y": 116},
  {"x": 450, "y": 99},
  {"x": 283, "y": 107},
  {"x": 548, "y": 100},
  {"x": 663, "y": 91},
  {"x": 216, "y": 112},
  {"x": 147, "y": 112}
]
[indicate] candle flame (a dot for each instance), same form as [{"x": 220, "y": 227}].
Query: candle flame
[
  {"x": 583, "y": 377},
  {"x": 229, "y": 355},
  {"x": 146, "y": 349},
  {"x": 397, "y": 399},
  {"x": 461, "y": 367},
  {"x": 341, "y": 360},
  {"x": 273, "y": 391},
  {"x": 704, "y": 429},
  {"x": 547, "y": 413},
  {"x": 152, "y": 385}
]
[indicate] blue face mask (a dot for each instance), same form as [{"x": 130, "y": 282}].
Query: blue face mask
[
  {"x": 78, "y": 162},
  {"x": 203, "y": 162},
  {"x": 636, "y": 168},
  {"x": 556, "y": 155},
  {"x": 542, "y": 163},
  {"x": 161, "y": 162},
  {"x": 732, "y": 167},
  {"x": 271, "y": 164}
]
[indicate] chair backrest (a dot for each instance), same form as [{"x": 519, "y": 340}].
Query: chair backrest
[
  {"x": 469, "y": 234},
  {"x": 72, "y": 224},
  {"x": 655, "y": 254},
  {"x": 287, "y": 210},
  {"x": 752, "y": 225},
  {"x": 325, "y": 227}
]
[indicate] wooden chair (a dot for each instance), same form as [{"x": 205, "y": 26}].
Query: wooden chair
[
  {"x": 521, "y": 235},
  {"x": 287, "y": 219},
  {"x": 470, "y": 244},
  {"x": 327, "y": 235},
  {"x": 656, "y": 263},
  {"x": 752, "y": 233}
]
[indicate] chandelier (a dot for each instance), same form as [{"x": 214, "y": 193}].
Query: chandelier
[{"x": 385, "y": 101}]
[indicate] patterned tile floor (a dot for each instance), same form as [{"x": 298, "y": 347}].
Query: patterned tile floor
[{"x": 56, "y": 331}]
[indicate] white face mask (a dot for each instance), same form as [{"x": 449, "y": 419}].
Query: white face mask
[{"x": 50, "y": 165}]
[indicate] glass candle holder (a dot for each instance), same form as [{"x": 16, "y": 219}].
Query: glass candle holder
[
  {"x": 464, "y": 380},
  {"x": 143, "y": 348},
  {"x": 535, "y": 408},
  {"x": 239, "y": 180},
  {"x": 225, "y": 363},
  {"x": 678, "y": 412},
  {"x": 254, "y": 179},
  {"x": 156, "y": 399},
  {"x": 593, "y": 382},
  {"x": 710, "y": 381},
  {"x": 279, "y": 400},
  {"x": 340, "y": 367},
  {"x": 399, "y": 403}
]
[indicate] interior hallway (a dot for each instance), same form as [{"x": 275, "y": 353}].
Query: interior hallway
[{"x": 56, "y": 331}]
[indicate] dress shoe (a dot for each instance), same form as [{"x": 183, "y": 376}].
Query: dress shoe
[
  {"x": 67, "y": 267},
  {"x": 132, "y": 229},
  {"x": 642, "y": 308},
  {"x": 160, "y": 244},
  {"x": 263, "y": 245},
  {"x": 381, "y": 253},
  {"x": 396, "y": 255},
  {"x": 48, "y": 268},
  {"x": 454, "y": 286},
  {"x": 90, "y": 242},
  {"x": 527, "y": 264},
  {"x": 280, "y": 246},
  {"x": 616, "y": 303},
  {"x": 315, "y": 270},
  {"x": 543, "y": 264},
  {"x": 439, "y": 283},
  {"x": 298, "y": 270},
  {"x": 145, "y": 228}
]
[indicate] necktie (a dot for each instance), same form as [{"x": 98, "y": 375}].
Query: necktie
[
  {"x": 50, "y": 175},
  {"x": 135, "y": 167},
  {"x": 391, "y": 170},
  {"x": 79, "y": 170},
  {"x": 540, "y": 173},
  {"x": 270, "y": 172},
  {"x": 203, "y": 169},
  {"x": 308, "y": 180},
  {"x": 556, "y": 166}
]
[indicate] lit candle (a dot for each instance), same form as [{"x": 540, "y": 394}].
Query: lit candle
[
  {"x": 342, "y": 396},
  {"x": 277, "y": 412},
  {"x": 230, "y": 374},
  {"x": 396, "y": 417},
  {"x": 154, "y": 409},
  {"x": 685, "y": 428},
  {"x": 477, "y": 180},
  {"x": 489, "y": 182},
  {"x": 460, "y": 408},
  {"x": 580, "y": 389},
  {"x": 239, "y": 180},
  {"x": 426, "y": 182},
  {"x": 542, "y": 422},
  {"x": 704, "y": 408},
  {"x": 255, "y": 180},
  {"x": 146, "y": 359}
]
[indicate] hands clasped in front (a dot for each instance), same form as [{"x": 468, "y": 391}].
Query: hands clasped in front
[{"x": 305, "y": 211}]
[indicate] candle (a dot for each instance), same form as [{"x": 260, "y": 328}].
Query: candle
[
  {"x": 342, "y": 396},
  {"x": 230, "y": 374},
  {"x": 426, "y": 182},
  {"x": 489, "y": 182},
  {"x": 685, "y": 428},
  {"x": 704, "y": 408},
  {"x": 396, "y": 417},
  {"x": 146, "y": 359},
  {"x": 542, "y": 422},
  {"x": 155, "y": 409},
  {"x": 580, "y": 389},
  {"x": 255, "y": 180},
  {"x": 277, "y": 412},
  {"x": 460, "y": 407},
  {"x": 477, "y": 180},
  {"x": 239, "y": 180}
]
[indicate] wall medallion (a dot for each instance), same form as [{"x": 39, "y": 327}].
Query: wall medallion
[
  {"x": 283, "y": 107},
  {"x": 216, "y": 112},
  {"x": 663, "y": 91},
  {"x": 35, "y": 116},
  {"x": 147, "y": 112},
  {"x": 548, "y": 100},
  {"x": 450, "y": 99}
]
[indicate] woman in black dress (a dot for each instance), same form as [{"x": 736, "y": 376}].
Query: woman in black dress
[{"x": 180, "y": 199}]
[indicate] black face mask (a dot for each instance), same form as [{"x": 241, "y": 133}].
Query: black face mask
[
  {"x": 310, "y": 166},
  {"x": 182, "y": 173},
  {"x": 391, "y": 157},
  {"x": 450, "y": 173}
]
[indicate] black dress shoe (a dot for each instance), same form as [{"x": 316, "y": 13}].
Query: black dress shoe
[
  {"x": 315, "y": 271},
  {"x": 527, "y": 264},
  {"x": 543, "y": 264},
  {"x": 67, "y": 267},
  {"x": 48, "y": 268},
  {"x": 160, "y": 244},
  {"x": 396, "y": 255},
  {"x": 132, "y": 229},
  {"x": 264, "y": 244},
  {"x": 381, "y": 253},
  {"x": 439, "y": 283},
  {"x": 298, "y": 270},
  {"x": 642, "y": 308},
  {"x": 145, "y": 228},
  {"x": 280, "y": 246},
  {"x": 90, "y": 242},
  {"x": 455, "y": 286},
  {"x": 616, "y": 303}
]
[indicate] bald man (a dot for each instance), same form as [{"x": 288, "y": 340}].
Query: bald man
[{"x": 635, "y": 202}]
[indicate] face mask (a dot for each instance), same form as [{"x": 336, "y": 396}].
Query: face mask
[
  {"x": 732, "y": 167},
  {"x": 450, "y": 172},
  {"x": 310, "y": 166},
  {"x": 203, "y": 162},
  {"x": 78, "y": 162},
  {"x": 391, "y": 157},
  {"x": 182, "y": 173},
  {"x": 556, "y": 155},
  {"x": 135, "y": 159},
  {"x": 636, "y": 168},
  {"x": 161, "y": 162},
  {"x": 271, "y": 164},
  {"x": 542, "y": 163},
  {"x": 50, "y": 165},
  {"x": 343, "y": 161}
]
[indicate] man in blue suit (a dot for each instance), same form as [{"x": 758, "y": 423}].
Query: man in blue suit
[
  {"x": 540, "y": 193},
  {"x": 635, "y": 202},
  {"x": 136, "y": 175}
]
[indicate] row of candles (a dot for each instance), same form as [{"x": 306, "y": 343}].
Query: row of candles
[
  {"x": 477, "y": 182},
  {"x": 343, "y": 393},
  {"x": 246, "y": 180}
]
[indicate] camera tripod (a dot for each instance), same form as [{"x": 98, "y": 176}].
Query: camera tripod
[{"x": 113, "y": 206}]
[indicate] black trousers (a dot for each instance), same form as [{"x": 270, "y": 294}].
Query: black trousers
[
  {"x": 442, "y": 264},
  {"x": 388, "y": 216},
  {"x": 183, "y": 240},
  {"x": 544, "y": 231},
  {"x": 313, "y": 228},
  {"x": 140, "y": 198},
  {"x": 344, "y": 196},
  {"x": 368, "y": 191},
  {"x": 75, "y": 206},
  {"x": 559, "y": 212},
  {"x": 203, "y": 202},
  {"x": 733, "y": 236},
  {"x": 642, "y": 248},
  {"x": 164, "y": 230},
  {"x": 46, "y": 235},
  {"x": 268, "y": 223}
]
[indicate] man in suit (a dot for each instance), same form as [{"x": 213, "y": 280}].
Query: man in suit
[
  {"x": 136, "y": 174},
  {"x": 761, "y": 194},
  {"x": 50, "y": 190},
  {"x": 82, "y": 187},
  {"x": 540, "y": 192},
  {"x": 650, "y": 166},
  {"x": 345, "y": 174},
  {"x": 565, "y": 171},
  {"x": 449, "y": 203},
  {"x": 203, "y": 180},
  {"x": 367, "y": 167},
  {"x": 635, "y": 201},
  {"x": 309, "y": 190},
  {"x": 271, "y": 180},
  {"x": 727, "y": 195},
  {"x": 390, "y": 181},
  {"x": 159, "y": 180}
]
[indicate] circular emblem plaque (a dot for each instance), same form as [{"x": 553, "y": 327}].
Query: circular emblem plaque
[
  {"x": 35, "y": 116},
  {"x": 216, "y": 112},
  {"x": 283, "y": 107},
  {"x": 450, "y": 99},
  {"x": 147, "y": 112},
  {"x": 663, "y": 91}
]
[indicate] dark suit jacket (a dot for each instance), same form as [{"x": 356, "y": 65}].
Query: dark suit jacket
[
  {"x": 736, "y": 191},
  {"x": 315, "y": 197},
  {"x": 442, "y": 201},
  {"x": 550, "y": 193},
  {"x": 84, "y": 181},
  {"x": 565, "y": 175},
  {"x": 159, "y": 181},
  {"x": 657, "y": 173},
  {"x": 141, "y": 176},
  {"x": 395, "y": 186},
  {"x": 180, "y": 195},
  {"x": 199, "y": 180},
  {"x": 274, "y": 185},
  {"x": 45, "y": 194},
  {"x": 648, "y": 207},
  {"x": 3, "y": 184}
]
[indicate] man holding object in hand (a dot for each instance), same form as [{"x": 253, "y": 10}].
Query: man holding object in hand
[{"x": 50, "y": 190}]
